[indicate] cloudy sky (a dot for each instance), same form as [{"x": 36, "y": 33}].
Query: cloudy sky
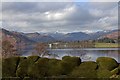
[{"x": 59, "y": 16}]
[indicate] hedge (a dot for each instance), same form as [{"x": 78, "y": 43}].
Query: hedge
[
  {"x": 85, "y": 70},
  {"x": 35, "y": 67},
  {"x": 107, "y": 63},
  {"x": 68, "y": 64},
  {"x": 9, "y": 66},
  {"x": 54, "y": 68},
  {"x": 24, "y": 65},
  {"x": 39, "y": 68}
]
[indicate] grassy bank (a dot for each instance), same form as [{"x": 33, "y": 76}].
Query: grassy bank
[{"x": 106, "y": 45}]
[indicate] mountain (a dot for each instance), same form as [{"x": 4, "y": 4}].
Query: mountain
[
  {"x": 16, "y": 36},
  {"x": 102, "y": 34},
  {"x": 29, "y": 38},
  {"x": 98, "y": 34},
  {"x": 76, "y": 36},
  {"x": 57, "y": 36},
  {"x": 48, "y": 37},
  {"x": 37, "y": 37},
  {"x": 112, "y": 35}
]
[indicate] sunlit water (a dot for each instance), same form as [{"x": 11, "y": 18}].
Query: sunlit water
[{"x": 86, "y": 54}]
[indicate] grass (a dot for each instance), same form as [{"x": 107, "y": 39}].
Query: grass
[{"x": 106, "y": 45}]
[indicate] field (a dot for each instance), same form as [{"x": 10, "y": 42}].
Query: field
[{"x": 106, "y": 45}]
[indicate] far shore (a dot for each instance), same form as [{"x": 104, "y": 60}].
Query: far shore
[{"x": 107, "y": 45}]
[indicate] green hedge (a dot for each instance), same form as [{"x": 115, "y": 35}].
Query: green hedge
[
  {"x": 54, "y": 67},
  {"x": 89, "y": 65},
  {"x": 104, "y": 73},
  {"x": 39, "y": 68},
  {"x": 68, "y": 64},
  {"x": 107, "y": 63},
  {"x": 115, "y": 71},
  {"x": 36, "y": 67},
  {"x": 85, "y": 70},
  {"x": 24, "y": 65},
  {"x": 9, "y": 66}
]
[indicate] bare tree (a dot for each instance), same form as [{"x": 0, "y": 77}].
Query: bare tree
[
  {"x": 8, "y": 49},
  {"x": 41, "y": 49}
]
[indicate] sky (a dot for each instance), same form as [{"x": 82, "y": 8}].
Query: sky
[{"x": 63, "y": 17}]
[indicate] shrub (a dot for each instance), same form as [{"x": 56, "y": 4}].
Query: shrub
[
  {"x": 8, "y": 78},
  {"x": 119, "y": 68},
  {"x": 54, "y": 67},
  {"x": 104, "y": 73},
  {"x": 118, "y": 76},
  {"x": 84, "y": 73},
  {"x": 9, "y": 66},
  {"x": 75, "y": 60},
  {"x": 115, "y": 71},
  {"x": 106, "y": 63},
  {"x": 0, "y": 67},
  {"x": 39, "y": 68},
  {"x": 22, "y": 58},
  {"x": 22, "y": 68},
  {"x": 86, "y": 70},
  {"x": 24, "y": 64},
  {"x": 68, "y": 64},
  {"x": 33, "y": 58},
  {"x": 89, "y": 65}
]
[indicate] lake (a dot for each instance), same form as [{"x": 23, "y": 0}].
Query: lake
[{"x": 86, "y": 54}]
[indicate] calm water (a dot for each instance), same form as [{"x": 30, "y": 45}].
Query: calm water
[{"x": 86, "y": 54}]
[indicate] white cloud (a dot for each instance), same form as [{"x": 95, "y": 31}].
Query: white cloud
[
  {"x": 104, "y": 0},
  {"x": 65, "y": 17},
  {"x": 96, "y": 12},
  {"x": 37, "y": 0},
  {"x": 60, "y": 0}
]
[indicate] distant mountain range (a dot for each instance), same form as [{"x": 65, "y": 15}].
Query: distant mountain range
[
  {"x": 16, "y": 35},
  {"x": 76, "y": 36},
  {"x": 48, "y": 37},
  {"x": 115, "y": 34},
  {"x": 37, "y": 37},
  {"x": 103, "y": 34}
]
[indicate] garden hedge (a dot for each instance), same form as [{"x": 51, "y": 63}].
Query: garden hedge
[
  {"x": 85, "y": 70},
  {"x": 68, "y": 64},
  {"x": 9, "y": 66},
  {"x": 39, "y": 68},
  {"x": 23, "y": 66},
  {"x": 107, "y": 63},
  {"x": 36, "y": 67}
]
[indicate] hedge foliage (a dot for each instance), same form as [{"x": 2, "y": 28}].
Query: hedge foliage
[
  {"x": 68, "y": 64},
  {"x": 9, "y": 66},
  {"x": 85, "y": 70},
  {"x": 36, "y": 67},
  {"x": 39, "y": 68},
  {"x": 104, "y": 73},
  {"x": 23, "y": 66},
  {"x": 107, "y": 63}
]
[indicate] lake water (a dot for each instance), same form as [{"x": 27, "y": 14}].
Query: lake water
[{"x": 86, "y": 54}]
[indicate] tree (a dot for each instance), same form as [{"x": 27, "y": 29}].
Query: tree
[
  {"x": 41, "y": 49},
  {"x": 8, "y": 49}
]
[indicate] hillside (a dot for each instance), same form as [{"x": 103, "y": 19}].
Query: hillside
[
  {"x": 28, "y": 38},
  {"x": 16, "y": 38},
  {"x": 112, "y": 35},
  {"x": 37, "y": 37},
  {"x": 76, "y": 36}
]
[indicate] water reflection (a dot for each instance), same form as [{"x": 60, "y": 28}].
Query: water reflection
[{"x": 85, "y": 54}]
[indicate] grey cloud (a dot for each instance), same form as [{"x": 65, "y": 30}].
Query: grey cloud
[
  {"x": 31, "y": 7},
  {"x": 103, "y": 5},
  {"x": 65, "y": 17}
]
